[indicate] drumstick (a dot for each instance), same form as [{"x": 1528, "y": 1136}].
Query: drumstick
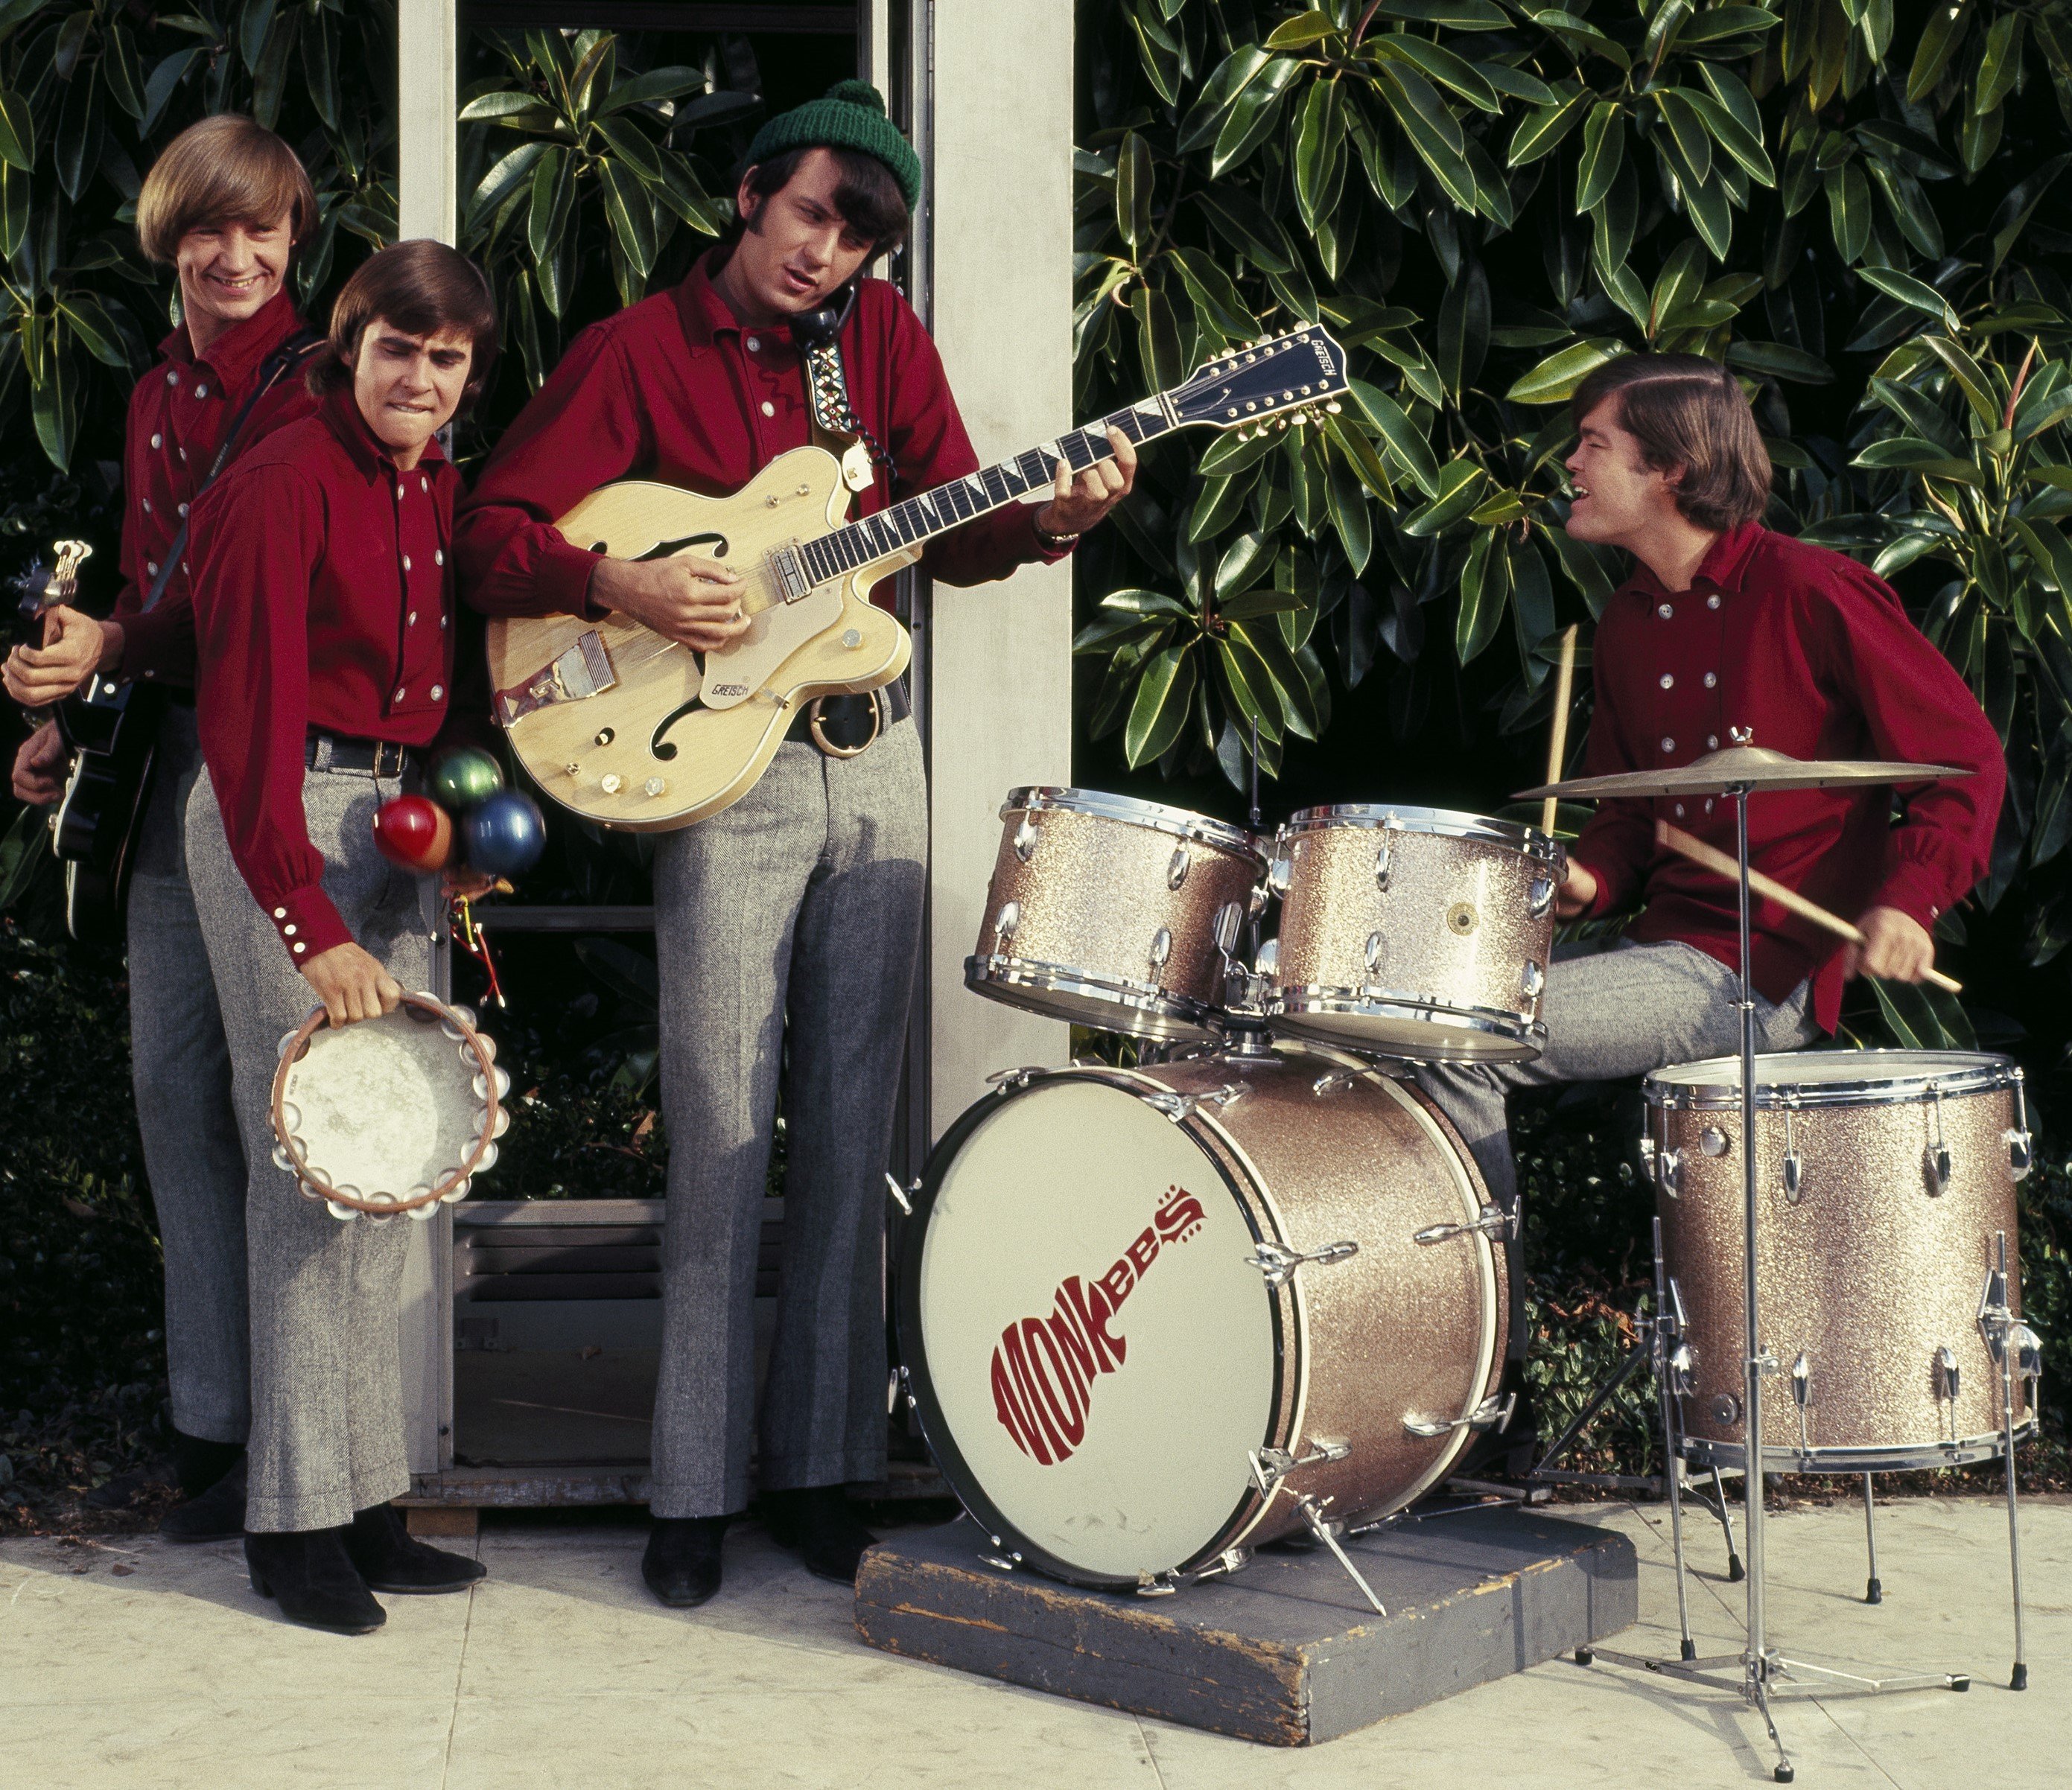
[
  {"x": 1698, "y": 852},
  {"x": 1557, "y": 747}
]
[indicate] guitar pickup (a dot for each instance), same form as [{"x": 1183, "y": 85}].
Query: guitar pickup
[
  {"x": 792, "y": 578},
  {"x": 583, "y": 670}
]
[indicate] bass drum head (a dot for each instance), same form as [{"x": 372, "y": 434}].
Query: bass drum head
[{"x": 1092, "y": 1357}]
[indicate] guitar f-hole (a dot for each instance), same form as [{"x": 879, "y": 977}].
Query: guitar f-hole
[
  {"x": 668, "y": 549},
  {"x": 666, "y": 749}
]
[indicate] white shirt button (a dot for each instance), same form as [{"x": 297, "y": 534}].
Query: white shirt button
[
  {"x": 1664, "y": 610},
  {"x": 289, "y": 932},
  {"x": 1668, "y": 682},
  {"x": 752, "y": 344},
  {"x": 1679, "y": 810},
  {"x": 1668, "y": 745},
  {"x": 172, "y": 378},
  {"x": 424, "y": 484},
  {"x": 151, "y": 566},
  {"x": 147, "y": 506},
  {"x": 1713, "y": 602},
  {"x": 406, "y": 562},
  {"x": 201, "y": 391},
  {"x": 183, "y": 456},
  {"x": 442, "y": 621},
  {"x": 1712, "y": 680},
  {"x": 769, "y": 410},
  {"x": 183, "y": 509},
  {"x": 438, "y": 556},
  {"x": 280, "y": 913},
  {"x": 399, "y": 693},
  {"x": 148, "y": 673},
  {"x": 1708, "y": 804},
  {"x": 1712, "y": 742},
  {"x": 413, "y": 615},
  {"x": 157, "y": 441},
  {"x": 439, "y": 690},
  {"x": 299, "y": 947}
]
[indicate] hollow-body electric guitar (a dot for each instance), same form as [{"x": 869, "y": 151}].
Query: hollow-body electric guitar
[{"x": 637, "y": 731}]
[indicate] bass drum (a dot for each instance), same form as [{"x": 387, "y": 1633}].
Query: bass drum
[{"x": 1146, "y": 1314}]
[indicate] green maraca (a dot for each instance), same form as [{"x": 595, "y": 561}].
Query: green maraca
[{"x": 465, "y": 776}]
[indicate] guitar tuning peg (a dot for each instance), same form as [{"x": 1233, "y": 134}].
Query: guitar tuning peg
[{"x": 1334, "y": 407}]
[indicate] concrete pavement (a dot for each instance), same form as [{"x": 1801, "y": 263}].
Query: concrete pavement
[{"x": 129, "y": 1663}]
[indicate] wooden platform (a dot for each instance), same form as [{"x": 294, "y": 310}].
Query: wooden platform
[{"x": 1285, "y": 1651}]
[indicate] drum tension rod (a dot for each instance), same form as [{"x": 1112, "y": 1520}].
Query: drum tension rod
[
  {"x": 1494, "y": 1222},
  {"x": 1277, "y": 1266},
  {"x": 1490, "y": 1414}
]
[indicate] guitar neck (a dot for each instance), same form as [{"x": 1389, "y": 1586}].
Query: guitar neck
[{"x": 916, "y": 520}]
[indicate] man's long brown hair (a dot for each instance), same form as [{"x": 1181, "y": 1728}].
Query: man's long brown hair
[{"x": 1688, "y": 411}]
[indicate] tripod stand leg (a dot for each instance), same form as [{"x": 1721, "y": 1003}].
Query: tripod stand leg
[
  {"x": 1735, "y": 1571},
  {"x": 2019, "y": 1680},
  {"x": 1874, "y": 1591},
  {"x": 1782, "y": 1772}
]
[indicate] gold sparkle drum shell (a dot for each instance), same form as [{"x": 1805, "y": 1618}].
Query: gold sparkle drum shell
[
  {"x": 1884, "y": 1186},
  {"x": 1114, "y": 913},
  {"x": 1145, "y": 1313},
  {"x": 1419, "y": 933}
]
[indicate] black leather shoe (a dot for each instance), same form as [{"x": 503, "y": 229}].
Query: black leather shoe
[
  {"x": 308, "y": 1573},
  {"x": 379, "y": 1544},
  {"x": 216, "y": 1515},
  {"x": 681, "y": 1565},
  {"x": 817, "y": 1523},
  {"x": 198, "y": 1463}
]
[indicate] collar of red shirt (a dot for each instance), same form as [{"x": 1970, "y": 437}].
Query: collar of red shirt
[
  {"x": 234, "y": 356},
  {"x": 706, "y": 315},
  {"x": 1723, "y": 568},
  {"x": 362, "y": 446}
]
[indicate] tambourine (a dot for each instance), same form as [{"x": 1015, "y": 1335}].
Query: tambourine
[{"x": 389, "y": 1115}]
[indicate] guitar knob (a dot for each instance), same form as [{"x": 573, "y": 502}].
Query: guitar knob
[
  {"x": 609, "y": 783},
  {"x": 852, "y": 637},
  {"x": 656, "y": 785}
]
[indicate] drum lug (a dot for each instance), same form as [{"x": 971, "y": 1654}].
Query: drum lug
[
  {"x": 1277, "y": 1266},
  {"x": 1157, "y": 1584},
  {"x": 1235, "y": 1558},
  {"x": 1334, "y": 1081},
  {"x": 1011, "y": 1079},
  {"x": 1229, "y": 922},
  {"x": 1683, "y": 1370},
  {"x": 1802, "y": 1394},
  {"x": 1004, "y": 925},
  {"x": 1491, "y": 1414},
  {"x": 1179, "y": 1106},
  {"x": 1025, "y": 836},
  {"x": 1493, "y": 1222},
  {"x": 1949, "y": 1377},
  {"x": 1255, "y": 902},
  {"x": 1669, "y": 1171},
  {"x": 901, "y": 1196},
  {"x": 1381, "y": 855},
  {"x": 1540, "y": 902},
  {"x": 1935, "y": 1159},
  {"x": 1271, "y": 1466},
  {"x": 1280, "y": 872},
  {"x": 1162, "y": 949},
  {"x": 1176, "y": 871},
  {"x": 1535, "y": 979},
  {"x": 2021, "y": 1156}
]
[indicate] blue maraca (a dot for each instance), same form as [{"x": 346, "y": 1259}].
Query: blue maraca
[{"x": 504, "y": 834}]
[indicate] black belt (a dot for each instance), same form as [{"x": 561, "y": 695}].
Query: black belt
[
  {"x": 341, "y": 752},
  {"x": 843, "y": 727}
]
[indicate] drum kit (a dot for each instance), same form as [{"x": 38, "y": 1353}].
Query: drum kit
[{"x": 1152, "y": 1318}]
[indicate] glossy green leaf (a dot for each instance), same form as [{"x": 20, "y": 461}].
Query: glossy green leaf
[
  {"x": 1908, "y": 290},
  {"x": 653, "y": 87},
  {"x": 1775, "y": 360},
  {"x": 1970, "y": 378},
  {"x": 1242, "y": 562},
  {"x": 1350, "y": 517},
  {"x": 1320, "y": 136},
  {"x": 1134, "y": 178},
  {"x": 1999, "y": 63},
  {"x": 17, "y": 132},
  {"x": 1160, "y": 709},
  {"x": 1408, "y": 445},
  {"x": 1583, "y": 568},
  {"x": 631, "y": 213},
  {"x": 1461, "y": 483},
  {"x": 1440, "y": 64},
  {"x": 1942, "y": 36},
  {"x": 2010, "y": 217},
  {"x": 1235, "y": 216},
  {"x": 629, "y": 146},
  {"x": 95, "y": 329},
  {"x": 1485, "y": 594},
  {"x": 1555, "y": 380},
  {"x": 1540, "y": 131},
  {"x": 1464, "y": 328},
  {"x": 499, "y": 106},
  {"x": 1531, "y": 602},
  {"x": 1360, "y": 455},
  {"x": 1682, "y": 275},
  {"x": 1205, "y": 117},
  {"x": 1462, "y": 15},
  {"x": 1687, "y": 127},
  {"x": 553, "y": 192},
  {"x": 1715, "y": 22},
  {"x": 1253, "y": 115},
  {"x": 1604, "y": 149},
  {"x": 1433, "y": 130},
  {"x": 1305, "y": 29},
  {"x": 1743, "y": 146}
]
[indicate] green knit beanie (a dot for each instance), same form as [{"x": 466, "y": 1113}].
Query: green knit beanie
[{"x": 849, "y": 115}]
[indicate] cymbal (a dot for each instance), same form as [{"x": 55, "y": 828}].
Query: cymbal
[{"x": 1744, "y": 767}]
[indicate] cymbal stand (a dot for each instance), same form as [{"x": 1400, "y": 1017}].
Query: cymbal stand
[{"x": 1760, "y": 1664}]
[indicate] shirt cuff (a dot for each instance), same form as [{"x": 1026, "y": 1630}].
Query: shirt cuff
[
  {"x": 1612, "y": 893},
  {"x": 1041, "y": 550},
  {"x": 1916, "y": 889},
  {"x": 307, "y": 923},
  {"x": 158, "y": 647},
  {"x": 562, "y": 581}
]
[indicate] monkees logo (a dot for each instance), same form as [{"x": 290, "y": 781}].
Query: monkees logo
[{"x": 1044, "y": 1369}]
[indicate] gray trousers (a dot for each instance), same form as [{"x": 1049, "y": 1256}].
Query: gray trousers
[
  {"x": 326, "y": 1434},
  {"x": 180, "y": 1068},
  {"x": 1610, "y": 1013},
  {"x": 804, "y": 898}
]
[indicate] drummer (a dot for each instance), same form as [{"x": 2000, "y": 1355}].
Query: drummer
[
  {"x": 1724, "y": 626},
  {"x": 323, "y": 611}
]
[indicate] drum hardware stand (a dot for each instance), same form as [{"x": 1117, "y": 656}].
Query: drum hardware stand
[
  {"x": 1761, "y": 1665},
  {"x": 2019, "y": 1352},
  {"x": 1270, "y": 1468}
]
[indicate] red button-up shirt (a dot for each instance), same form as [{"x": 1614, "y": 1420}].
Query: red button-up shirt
[
  {"x": 178, "y": 414},
  {"x": 1815, "y": 655},
  {"x": 674, "y": 389},
  {"x": 323, "y": 599}
]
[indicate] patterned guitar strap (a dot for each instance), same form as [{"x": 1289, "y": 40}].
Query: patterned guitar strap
[{"x": 827, "y": 393}]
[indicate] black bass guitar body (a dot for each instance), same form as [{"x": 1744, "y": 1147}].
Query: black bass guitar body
[{"x": 113, "y": 729}]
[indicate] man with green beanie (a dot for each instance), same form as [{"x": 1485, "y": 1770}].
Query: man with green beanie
[{"x": 803, "y": 902}]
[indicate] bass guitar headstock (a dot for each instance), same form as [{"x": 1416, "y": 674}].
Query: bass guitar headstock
[{"x": 1269, "y": 383}]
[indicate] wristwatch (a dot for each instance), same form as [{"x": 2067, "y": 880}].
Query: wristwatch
[{"x": 1053, "y": 544}]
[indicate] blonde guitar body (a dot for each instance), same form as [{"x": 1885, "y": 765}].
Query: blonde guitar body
[{"x": 639, "y": 732}]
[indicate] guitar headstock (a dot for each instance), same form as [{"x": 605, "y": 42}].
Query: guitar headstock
[
  {"x": 1298, "y": 377},
  {"x": 40, "y": 591}
]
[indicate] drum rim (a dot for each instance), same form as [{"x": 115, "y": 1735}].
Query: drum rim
[
  {"x": 1331, "y": 998},
  {"x": 913, "y": 1352},
  {"x": 1986, "y": 1072},
  {"x": 1411, "y": 818},
  {"x": 1105, "y": 805},
  {"x": 985, "y": 974},
  {"x": 1902, "y": 1456}
]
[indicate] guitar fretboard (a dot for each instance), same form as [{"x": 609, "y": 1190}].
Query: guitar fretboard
[{"x": 915, "y": 521}]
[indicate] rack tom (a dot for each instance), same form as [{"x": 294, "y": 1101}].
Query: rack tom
[
  {"x": 1414, "y": 932},
  {"x": 1148, "y": 1317},
  {"x": 1888, "y": 1282},
  {"x": 1113, "y": 913}
]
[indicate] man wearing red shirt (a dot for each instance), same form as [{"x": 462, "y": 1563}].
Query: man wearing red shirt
[
  {"x": 225, "y": 205},
  {"x": 323, "y": 623},
  {"x": 804, "y": 898},
  {"x": 1725, "y": 625}
]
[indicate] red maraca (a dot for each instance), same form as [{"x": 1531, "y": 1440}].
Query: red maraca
[{"x": 414, "y": 831}]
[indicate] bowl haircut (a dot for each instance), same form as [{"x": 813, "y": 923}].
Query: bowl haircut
[
  {"x": 1689, "y": 412},
  {"x": 421, "y": 288},
  {"x": 225, "y": 169}
]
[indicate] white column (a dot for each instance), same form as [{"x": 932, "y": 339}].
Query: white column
[
  {"x": 1000, "y": 687},
  {"x": 427, "y": 61},
  {"x": 427, "y": 204}
]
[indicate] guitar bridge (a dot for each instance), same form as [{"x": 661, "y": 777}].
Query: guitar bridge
[
  {"x": 583, "y": 670},
  {"x": 793, "y": 581}
]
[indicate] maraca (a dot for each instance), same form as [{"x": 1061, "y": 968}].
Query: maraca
[
  {"x": 465, "y": 776},
  {"x": 414, "y": 831},
  {"x": 503, "y": 834}
]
